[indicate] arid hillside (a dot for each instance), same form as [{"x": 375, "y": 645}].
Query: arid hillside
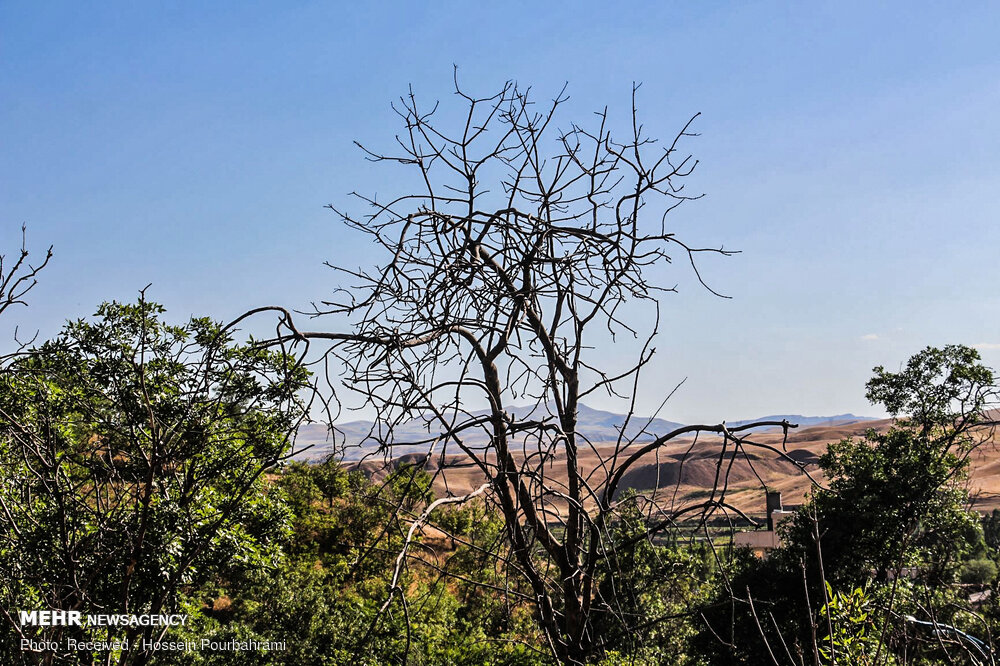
[{"x": 685, "y": 470}]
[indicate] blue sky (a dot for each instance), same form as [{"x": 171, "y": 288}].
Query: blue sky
[{"x": 850, "y": 151}]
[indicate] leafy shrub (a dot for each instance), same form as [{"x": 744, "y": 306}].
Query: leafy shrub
[{"x": 978, "y": 572}]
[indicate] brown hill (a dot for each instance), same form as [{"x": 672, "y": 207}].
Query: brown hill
[{"x": 683, "y": 470}]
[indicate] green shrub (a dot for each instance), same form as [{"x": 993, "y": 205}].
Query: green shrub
[{"x": 978, "y": 572}]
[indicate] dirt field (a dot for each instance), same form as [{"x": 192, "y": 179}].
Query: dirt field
[{"x": 684, "y": 470}]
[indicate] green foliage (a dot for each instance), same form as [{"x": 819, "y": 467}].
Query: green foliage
[
  {"x": 991, "y": 531},
  {"x": 894, "y": 500},
  {"x": 855, "y": 620},
  {"x": 410, "y": 486},
  {"x": 898, "y": 499},
  {"x": 138, "y": 474},
  {"x": 978, "y": 572},
  {"x": 655, "y": 586},
  {"x": 132, "y": 460},
  {"x": 729, "y": 634},
  {"x": 892, "y": 526},
  {"x": 298, "y": 482},
  {"x": 938, "y": 389},
  {"x": 331, "y": 480},
  {"x": 324, "y": 599},
  {"x": 457, "y": 520}
]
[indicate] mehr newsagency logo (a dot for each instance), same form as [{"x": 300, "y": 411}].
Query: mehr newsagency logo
[{"x": 64, "y": 618}]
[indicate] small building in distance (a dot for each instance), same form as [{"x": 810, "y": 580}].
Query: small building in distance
[{"x": 763, "y": 541}]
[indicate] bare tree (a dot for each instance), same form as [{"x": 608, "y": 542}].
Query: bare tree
[
  {"x": 18, "y": 276},
  {"x": 525, "y": 254}
]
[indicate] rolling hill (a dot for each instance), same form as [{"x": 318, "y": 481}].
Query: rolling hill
[
  {"x": 682, "y": 468},
  {"x": 355, "y": 440}
]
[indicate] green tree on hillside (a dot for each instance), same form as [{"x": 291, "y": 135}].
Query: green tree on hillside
[
  {"x": 898, "y": 498},
  {"x": 132, "y": 461},
  {"x": 325, "y": 598},
  {"x": 888, "y": 534}
]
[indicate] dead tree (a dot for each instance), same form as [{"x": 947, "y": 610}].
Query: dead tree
[
  {"x": 17, "y": 276},
  {"x": 523, "y": 255}
]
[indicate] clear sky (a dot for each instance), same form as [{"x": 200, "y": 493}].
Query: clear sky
[{"x": 850, "y": 150}]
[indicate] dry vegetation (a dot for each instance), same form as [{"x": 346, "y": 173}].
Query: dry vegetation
[{"x": 684, "y": 469}]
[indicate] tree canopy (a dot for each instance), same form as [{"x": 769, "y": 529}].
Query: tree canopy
[
  {"x": 132, "y": 461},
  {"x": 887, "y": 537}
]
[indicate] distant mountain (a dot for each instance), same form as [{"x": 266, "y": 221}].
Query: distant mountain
[
  {"x": 600, "y": 426},
  {"x": 357, "y": 439},
  {"x": 808, "y": 421}
]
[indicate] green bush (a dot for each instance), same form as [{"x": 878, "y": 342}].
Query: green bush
[{"x": 978, "y": 572}]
